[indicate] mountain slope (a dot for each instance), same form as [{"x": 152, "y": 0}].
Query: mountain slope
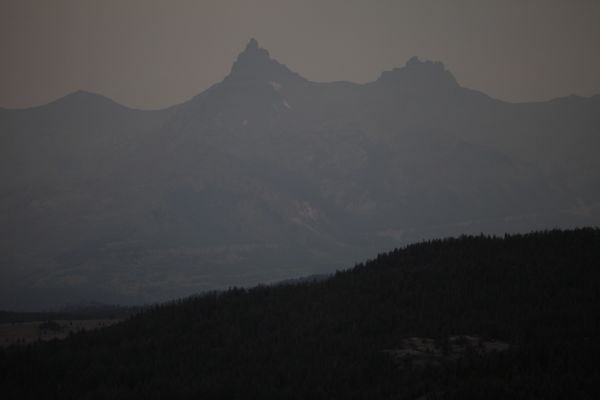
[
  {"x": 534, "y": 297},
  {"x": 268, "y": 176}
]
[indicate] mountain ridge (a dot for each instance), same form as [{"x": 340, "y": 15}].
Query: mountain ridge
[
  {"x": 253, "y": 46},
  {"x": 260, "y": 179}
]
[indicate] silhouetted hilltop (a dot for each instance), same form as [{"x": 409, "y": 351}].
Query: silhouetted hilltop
[{"x": 469, "y": 317}]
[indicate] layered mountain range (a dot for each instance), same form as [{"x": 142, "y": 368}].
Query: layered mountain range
[{"x": 267, "y": 176}]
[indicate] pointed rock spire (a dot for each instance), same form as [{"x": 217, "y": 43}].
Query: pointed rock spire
[
  {"x": 256, "y": 63},
  {"x": 254, "y": 53},
  {"x": 252, "y": 45}
]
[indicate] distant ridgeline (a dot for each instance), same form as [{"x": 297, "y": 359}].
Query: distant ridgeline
[{"x": 470, "y": 317}]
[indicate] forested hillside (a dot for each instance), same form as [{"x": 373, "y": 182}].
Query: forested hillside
[{"x": 339, "y": 338}]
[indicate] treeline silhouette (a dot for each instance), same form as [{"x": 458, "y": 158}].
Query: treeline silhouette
[{"x": 328, "y": 338}]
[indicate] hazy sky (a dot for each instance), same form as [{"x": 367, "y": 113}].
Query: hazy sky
[{"x": 152, "y": 54}]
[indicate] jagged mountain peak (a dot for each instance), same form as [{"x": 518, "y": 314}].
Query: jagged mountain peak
[
  {"x": 431, "y": 67},
  {"x": 253, "y": 52},
  {"x": 420, "y": 74},
  {"x": 252, "y": 45},
  {"x": 255, "y": 63}
]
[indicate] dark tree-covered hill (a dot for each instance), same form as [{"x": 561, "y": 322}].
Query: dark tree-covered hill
[{"x": 537, "y": 294}]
